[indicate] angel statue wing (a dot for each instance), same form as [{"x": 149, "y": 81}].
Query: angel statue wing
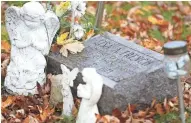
[
  {"x": 12, "y": 20},
  {"x": 52, "y": 25},
  {"x": 71, "y": 75}
]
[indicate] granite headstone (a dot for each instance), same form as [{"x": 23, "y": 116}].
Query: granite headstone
[{"x": 132, "y": 73}]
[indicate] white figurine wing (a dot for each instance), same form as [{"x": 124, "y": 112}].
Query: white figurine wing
[
  {"x": 12, "y": 20},
  {"x": 72, "y": 76},
  {"x": 52, "y": 25}
]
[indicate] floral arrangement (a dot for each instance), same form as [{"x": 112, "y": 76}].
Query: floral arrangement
[{"x": 73, "y": 27}]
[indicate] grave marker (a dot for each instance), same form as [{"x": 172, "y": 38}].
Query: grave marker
[{"x": 132, "y": 73}]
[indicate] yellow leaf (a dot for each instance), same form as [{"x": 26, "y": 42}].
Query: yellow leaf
[
  {"x": 156, "y": 21},
  {"x": 152, "y": 19},
  {"x": 148, "y": 8},
  {"x": 61, "y": 39},
  {"x": 139, "y": 12},
  {"x": 72, "y": 48}
]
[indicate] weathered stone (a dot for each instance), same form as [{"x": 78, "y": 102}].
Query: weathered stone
[
  {"x": 31, "y": 31},
  {"x": 132, "y": 74}
]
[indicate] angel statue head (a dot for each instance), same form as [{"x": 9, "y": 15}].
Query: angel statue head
[{"x": 33, "y": 14}]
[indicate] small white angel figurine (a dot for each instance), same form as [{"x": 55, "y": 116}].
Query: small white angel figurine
[
  {"x": 67, "y": 81},
  {"x": 90, "y": 94},
  {"x": 31, "y": 31}
]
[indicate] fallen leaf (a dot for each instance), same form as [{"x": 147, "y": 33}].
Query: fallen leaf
[
  {"x": 46, "y": 113},
  {"x": 74, "y": 111},
  {"x": 73, "y": 48},
  {"x": 30, "y": 119},
  {"x": 157, "y": 21},
  {"x": 116, "y": 112},
  {"x": 62, "y": 38},
  {"x": 5, "y": 46},
  {"x": 142, "y": 114},
  {"x": 55, "y": 48},
  {"x": 4, "y": 65},
  {"x": 159, "y": 109},
  {"x": 166, "y": 106},
  {"x": 89, "y": 34},
  {"x": 8, "y": 102},
  {"x": 39, "y": 88},
  {"x": 106, "y": 119}
]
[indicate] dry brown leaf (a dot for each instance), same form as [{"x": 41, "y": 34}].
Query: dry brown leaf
[
  {"x": 74, "y": 111},
  {"x": 116, "y": 112},
  {"x": 4, "y": 67},
  {"x": 5, "y": 46},
  {"x": 169, "y": 32},
  {"x": 159, "y": 109},
  {"x": 142, "y": 114},
  {"x": 73, "y": 48},
  {"x": 55, "y": 48},
  {"x": 8, "y": 101},
  {"x": 106, "y": 119},
  {"x": 153, "y": 103},
  {"x": 46, "y": 113},
  {"x": 112, "y": 119},
  {"x": 30, "y": 119}
]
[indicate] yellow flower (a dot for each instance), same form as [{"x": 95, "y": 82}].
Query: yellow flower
[
  {"x": 61, "y": 39},
  {"x": 65, "y": 5},
  {"x": 62, "y": 8}
]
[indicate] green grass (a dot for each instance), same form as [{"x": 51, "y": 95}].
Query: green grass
[{"x": 156, "y": 34}]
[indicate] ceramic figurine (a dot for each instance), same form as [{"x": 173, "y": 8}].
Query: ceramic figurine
[
  {"x": 67, "y": 81},
  {"x": 31, "y": 31},
  {"x": 90, "y": 94}
]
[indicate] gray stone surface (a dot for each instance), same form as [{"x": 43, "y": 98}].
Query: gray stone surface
[{"x": 132, "y": 74}]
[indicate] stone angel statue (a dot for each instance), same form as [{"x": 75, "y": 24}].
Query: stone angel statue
[
  {"x": 67, "y": 81},
  {"x": 60, "y": 89},
  {"x": 31, "y": 31},
  {"x": 90, "y": 94}
]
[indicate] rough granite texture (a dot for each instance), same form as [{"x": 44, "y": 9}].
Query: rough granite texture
[{"x": 132, "y": 74}]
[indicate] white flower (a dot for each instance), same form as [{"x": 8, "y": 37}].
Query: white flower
[
  {"x": 78, "y": 31},
  {"x": 79, "y": 8}
]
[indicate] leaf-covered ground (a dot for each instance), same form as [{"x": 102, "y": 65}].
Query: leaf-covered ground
[{"x": 149, "y": 24}]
